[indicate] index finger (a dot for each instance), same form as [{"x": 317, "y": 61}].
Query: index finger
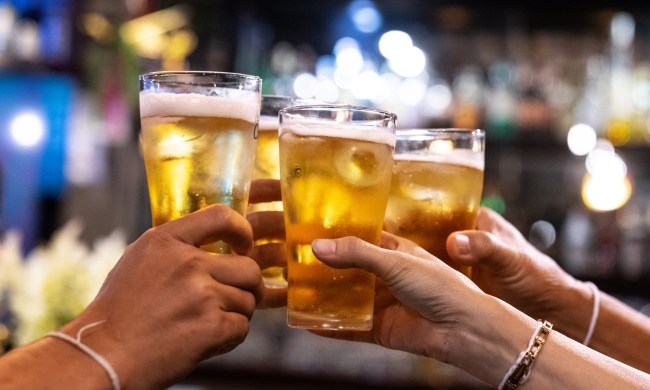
[
  {"x": 212, "y": 224},
  {"x": 265, "y": 190}
]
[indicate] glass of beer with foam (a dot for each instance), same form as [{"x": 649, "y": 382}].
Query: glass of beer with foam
[
  {"x": 198, "y": 138},
  {"x": 335, "y": 170},
  {"x": 267, "y": 166},
  {"x": 436, "y": 187}
]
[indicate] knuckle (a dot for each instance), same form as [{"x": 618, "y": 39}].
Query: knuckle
[
  {"x": 249, "y": 305},
  {"x": 351, "y": 245},
  {"x": 202, "y": 293}
]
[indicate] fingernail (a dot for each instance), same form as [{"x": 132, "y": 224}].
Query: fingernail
[
  {"x": 462, "y": 243},
  {"x": 323, "y": 247}
]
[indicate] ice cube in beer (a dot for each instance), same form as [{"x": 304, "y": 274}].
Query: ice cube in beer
[
  {"x": 359, "y": 165},
  {"x": 419, "y": 192}
]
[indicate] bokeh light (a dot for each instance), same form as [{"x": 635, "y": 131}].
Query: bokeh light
[
  {"x": 305, "y": 85},
  {"x": 393, "y": 42},
  {"x": 326, "y": 90},
  {"x": 409, "y": 63},
  {"x": 605, "y": 186},
  {"x": 437, "y": 100},
  {"x": 601, "y": 193},
  {"x": 411, "y": 92},
  {"x": 365, "y": 16},
  {"x": 366, "y": 85},
  {"x": 27, "y": 129},
  {"x": 581, "y": 139},
  {"x": 349, "y": 60},
  {"x": 606, "y": 164},
  {"x": 542, "y": 234}
]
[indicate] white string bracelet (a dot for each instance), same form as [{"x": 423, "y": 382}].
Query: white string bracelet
[
  {"x": 520, "y": 370},
  {"x": 115, "y": 381},
  {"x": 594, "y": 314}
]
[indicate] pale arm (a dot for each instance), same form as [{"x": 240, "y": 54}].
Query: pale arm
[
  {"x": 491, "y": 346},
  {"x": 432, "y": 310},
  {"x": 510, "y": 268}
]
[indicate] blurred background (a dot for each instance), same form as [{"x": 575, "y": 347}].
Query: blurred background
[{"x": 563, "y": 91}]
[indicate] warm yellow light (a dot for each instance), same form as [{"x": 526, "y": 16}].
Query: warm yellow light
[
  {"x": 97, "y": 27},
  {"x": 441, "y": 146},
  {"x": 149, "y": 34},
  {"x": 180, "y": 45},
  {"x": 619, "y": 132},
  {"x": 605, "y": 193}
]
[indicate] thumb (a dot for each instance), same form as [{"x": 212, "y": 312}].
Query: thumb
[
  {"x": 211, "y": 224},
  {"x": 352, "y": 252},
  {"x": 473, "y": 247}
]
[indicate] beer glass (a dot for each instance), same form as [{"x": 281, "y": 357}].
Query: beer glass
[
  {"x": 335, "y": 170},
  {"x": 198, "y": 139},
  {"x": 267, "y": 166},
  {"x": 436, "y": 187}
]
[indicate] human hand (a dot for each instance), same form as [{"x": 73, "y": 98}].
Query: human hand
[
  {"x": 421, "y": 304},
  {"x": 269, "y": 235},
  {"x": 167, "y": 305},
  {"x": 507, "y": 266}
]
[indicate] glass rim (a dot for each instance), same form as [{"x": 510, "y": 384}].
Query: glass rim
[
  {"x": 204, "y": 73},
  {"x": 443, "y": 130},
  {"x": 274, "y": 101},
  {"x": 338, "y": 107}
]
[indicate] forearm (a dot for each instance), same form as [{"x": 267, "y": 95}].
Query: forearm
[
  {"x": 564, "y": 363},
  {"x": 621, "y": 332},
  {"x": 491, "y": 345},
  {"x": 51, "y": 363}
]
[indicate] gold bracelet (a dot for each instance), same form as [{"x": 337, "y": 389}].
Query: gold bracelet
[{"x": 519, "y": 371}]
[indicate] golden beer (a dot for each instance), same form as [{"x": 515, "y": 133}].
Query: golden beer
[
  {"x": 267, "y": 157},
  {"x": 198, "y": 151},
  {"x": 433, "y": 194},
  {"x": 335, "y": 183},
  {"x": 267, "y": 166}
]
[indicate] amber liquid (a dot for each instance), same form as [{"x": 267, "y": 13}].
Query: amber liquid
[
  {"x": 194, "y": 162},
  {"x": 267, "y": 166},
  {"x": 430, "y": 200},
  {"x": 331, "y": 188}
]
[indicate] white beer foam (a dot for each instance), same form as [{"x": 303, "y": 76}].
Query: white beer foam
[
  {"x": 237, "y": 105},
  {"x": 269, "y": 123},
  {"x": 340, "y": 130},
  {"x": 456, "y": 157}
]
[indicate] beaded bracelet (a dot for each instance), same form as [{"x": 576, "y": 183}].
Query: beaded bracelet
[{"x": 519, "y": 371}]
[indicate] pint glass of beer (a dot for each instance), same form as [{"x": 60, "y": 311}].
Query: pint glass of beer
[
  {"x": 198, "y": 139},
  {"x": 436, "y": 187},
  {"x": 267, "y": 166},
  {"x": 335, "y": 170},
  {"x": 267, "y": 159}
]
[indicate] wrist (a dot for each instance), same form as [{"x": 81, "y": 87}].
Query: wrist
[
  {"x": 489, "y": 344},
  {"x": 100, "y": 338},
  {"x": 51, "y": 363},
  {"x": 574, "y": 304}
]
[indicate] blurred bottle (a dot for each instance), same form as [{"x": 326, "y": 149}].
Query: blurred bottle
[
  {"x": 500, "y": 107},
  {"x": 618, "y": 128},
  {"x": 468, "y": 90}
]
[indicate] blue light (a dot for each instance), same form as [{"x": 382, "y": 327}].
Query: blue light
[
  {"x": 365, "y": 16},
  {"x": 34, "y": 118}
]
